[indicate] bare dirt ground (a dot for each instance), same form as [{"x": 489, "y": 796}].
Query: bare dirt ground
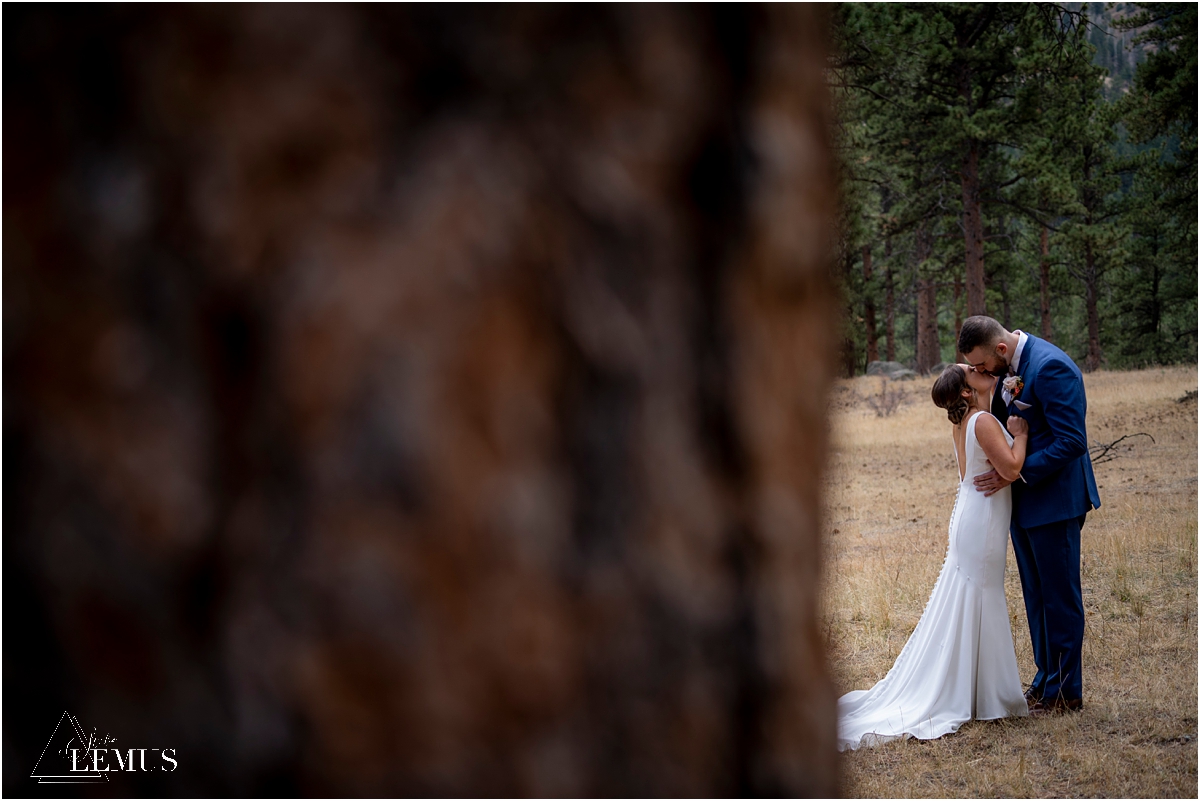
[{"x": 890, "y": 491}]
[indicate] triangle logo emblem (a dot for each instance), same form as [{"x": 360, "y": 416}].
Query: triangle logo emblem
[{"x": 65, "y": 759}]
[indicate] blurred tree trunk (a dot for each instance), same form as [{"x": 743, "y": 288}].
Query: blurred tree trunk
[{"x": 415, "y": 400}]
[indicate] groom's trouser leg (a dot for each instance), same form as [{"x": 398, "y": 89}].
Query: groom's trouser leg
[
  {"x": 1031, "y": 592},
  {"x": 1055, "y": 549}
]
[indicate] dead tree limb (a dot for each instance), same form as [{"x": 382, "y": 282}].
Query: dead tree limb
[{"x": 1103, "y": 452}]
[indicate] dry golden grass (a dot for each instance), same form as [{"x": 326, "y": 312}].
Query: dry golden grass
[{"x": 891, "y": 489}]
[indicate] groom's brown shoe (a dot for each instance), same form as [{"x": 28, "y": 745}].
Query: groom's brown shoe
[
  {"x": 1032, "y": 698},
  {"x": 1054, "y": 706}
]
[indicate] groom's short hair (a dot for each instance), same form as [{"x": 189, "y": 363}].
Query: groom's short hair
[{"x": 978, "y": 330}]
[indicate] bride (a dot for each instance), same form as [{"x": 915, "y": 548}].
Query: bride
[{"x": 959, "y": 662}]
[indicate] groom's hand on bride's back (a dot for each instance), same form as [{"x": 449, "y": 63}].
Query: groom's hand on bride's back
[{"x": 990, "y": 483}]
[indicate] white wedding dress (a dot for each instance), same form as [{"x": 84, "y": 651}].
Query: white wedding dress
[{"x": 959, "y": 663}]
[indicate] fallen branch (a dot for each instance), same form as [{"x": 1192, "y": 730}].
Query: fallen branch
[{"x": 1103, "y": 452}]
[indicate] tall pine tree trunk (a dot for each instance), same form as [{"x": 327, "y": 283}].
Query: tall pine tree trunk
[
  {"x": 849, "y": 352},
  {"x": 1154, "y": 323},
  {"x": 928, "y": 348},
  {"x": 1091, "y": 277},
  {"x": 973, "y": 230},
  {"x": 869, "y": 308},
  {"x": 387, "y": 420},
  {"x": 1044, "y": 285},
  {"x": 958, "y": 318},
  {"x": 1092, "y": 288},
  {"x": 1005, "y": 303},
  {"x": 889, "y": 301}
]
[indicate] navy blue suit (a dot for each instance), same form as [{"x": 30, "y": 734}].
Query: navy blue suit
[{"x": 1050, "y": 500}]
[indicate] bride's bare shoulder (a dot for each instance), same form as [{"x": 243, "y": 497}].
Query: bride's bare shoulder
[
  {"x": 986, "y": 419},
  {"x": 989, "y": 433}
]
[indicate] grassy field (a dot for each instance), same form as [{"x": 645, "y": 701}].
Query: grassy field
[{"x": 891, "y": 488}]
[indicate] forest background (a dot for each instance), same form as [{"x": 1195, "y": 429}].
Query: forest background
[{"x": 1031, "y": 161}]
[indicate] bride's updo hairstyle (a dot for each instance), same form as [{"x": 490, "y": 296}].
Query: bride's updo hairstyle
[{"x": 947, "y": 393}]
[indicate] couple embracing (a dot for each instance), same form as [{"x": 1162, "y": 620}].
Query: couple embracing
[{"x": 1031, "y": 483}]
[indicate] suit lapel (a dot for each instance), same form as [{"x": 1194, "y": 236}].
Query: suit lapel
[
  {"x": 1026, "y": 364},
  {"x": 1027, "y": 355}
]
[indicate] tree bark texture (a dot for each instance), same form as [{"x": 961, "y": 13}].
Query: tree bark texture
[
  {"x": 973, "y": 230},
  {"x": 928, "y": 347},
  {"x": 869, "y": 308},
  {"x": 1044, "y": 285},
  {"x": 419, "y": 400}
]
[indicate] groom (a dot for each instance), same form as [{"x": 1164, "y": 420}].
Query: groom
[{"x": 1055, "y": 490}]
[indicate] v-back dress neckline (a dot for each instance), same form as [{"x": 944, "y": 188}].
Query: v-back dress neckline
[{"x": 962, "y": 470}]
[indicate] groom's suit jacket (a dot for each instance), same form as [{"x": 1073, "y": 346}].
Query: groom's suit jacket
[{"x": 1056, "y": 480}]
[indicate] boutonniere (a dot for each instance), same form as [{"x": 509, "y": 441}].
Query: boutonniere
[{"x": 1014, "y": 384}]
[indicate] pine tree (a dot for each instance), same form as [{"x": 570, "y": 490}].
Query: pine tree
[
  {"x": 1156, "y": 304},
  {"x": 991, "y": 165}
]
